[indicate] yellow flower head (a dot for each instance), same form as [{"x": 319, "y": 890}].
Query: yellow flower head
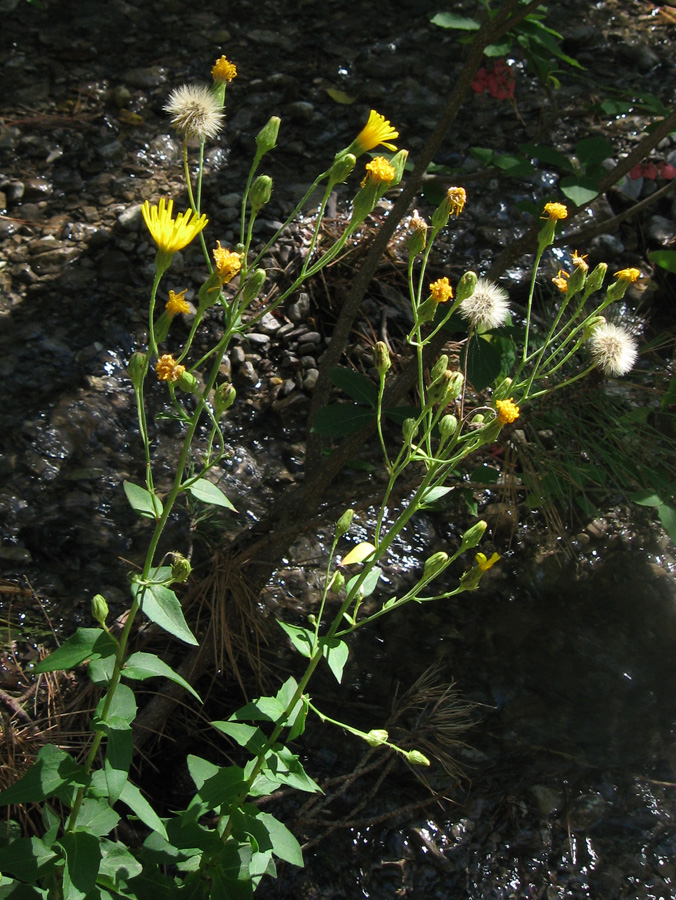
[
  {"x": 171, "y": 235},
  {"x": 177, "y": 303},
  {"x": 168, "y": 369},
  {"x": 508, "y": 411},
  {"x": 377, "y": 131},
  {"x": 561, "y": 280},
  {"x": 580, "y": 262},
  {"x": 379, "y": 171},
  {"x": 555, "y": 211},
  {"x": 224, "y": 70},
  {"x": 485, "y": 564},
  {"x": 441, "y": 291},
  {"x": 457, "y": 197},
  {"x": 228, "y": 263},
  {"x": 629, "y": 275}
]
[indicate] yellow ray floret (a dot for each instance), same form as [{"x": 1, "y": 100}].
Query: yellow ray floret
[
  {"x": 377, "y": 131},
  {"x": 171, "y": 235}
]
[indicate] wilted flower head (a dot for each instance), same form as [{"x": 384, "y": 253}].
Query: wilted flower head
[
  {"x": 487, "y": 306},
  {"x": 613, "y": 349},
  {"x": 508, "y": 411},
  {"x": 561, "y": 280},
  {"x": 177, "y": 303},
  {"x": 195, "y": 112},
  {"x": 168, "y": 369},
  {"x": 379, "y": 171},
  {"x": 377, "y": 130},
  {"x": 555, "y": 211},
  {"x": 457, "y": 197},
  {"x": 224, "y": 70},
  {"x": 441, "y": 290}
]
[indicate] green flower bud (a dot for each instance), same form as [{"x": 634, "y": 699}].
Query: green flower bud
[
  {"x": 454, "y": 386},
  {"x": 381, "y": 357},
  {"x": 377, "y": 737},
  {"x": 576, "y": 282},
  {"x": 253, "y": 287},
  {"x": 439, "y": 367},
  {"x": 616, "y": 291},
  {"x": 162, "y": 327},
  {"x": 591, "y": 325},
  {"x": 260, "y": 193},
  {"x": 447, "y": 427},
  {"x": 416, "y": 758},
  {"x": 208, "y": 295},
  {"x": 435, "y": 564},
  {"x": 503, "y": 389},
  {"x": 337, "y": 583},
  {"x": 595, "y": 279},
  {"x": 99, "y": 609},
  {"x": 137, "y": 368},
  {"x": 466, "y": 286},
  {"x": 266, "y": 139},
  {"x": 473, "y": 535},
  {"x": 180, "y": 568},
  {"x": 410, "y": 429},
  {"x": 478, "y": 419},
  {"x": 188, "y": 383},
  {"x": 342, "y": 166},
  {"x": 224, "y": 397},
  {"x": 418, "y": 239},
  {"x": 344, "y": 522}
]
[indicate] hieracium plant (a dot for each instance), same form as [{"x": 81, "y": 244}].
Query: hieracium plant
[{"x": 223, "y": 843}]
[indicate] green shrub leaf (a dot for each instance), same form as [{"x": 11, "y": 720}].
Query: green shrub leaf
[
  {"x": 207, "y": 492},
  {"x": 142, "y": 501},
  {"x": 83, "y": 858},
  {"x": 53, "y": 773},
  {"x": 336, "y": 653},
  {"x": 355, "y": 385},
  {"x": 132, "y": 797},
  {"x": 340, "y": 419},
  {"x": 86, "y": 643},
  {"x": 162, "y": 606},
  {"x": 26, "y": 858},
  {"x": 142, "y": 665}
]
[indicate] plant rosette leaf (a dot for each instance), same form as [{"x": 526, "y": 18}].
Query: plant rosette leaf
[
  {"x": 208, "y": 492},
  {"x": 142, "y": 501}
]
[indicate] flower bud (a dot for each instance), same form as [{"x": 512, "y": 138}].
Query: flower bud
[
  {"x": 180, "y": 568},
  {"x": 342, "y": 166},
  {"x": 435, "y": 564},
  {"x": 595, "y": 279},
  {"x": 188, "y": 383},
  {"x": 381, "y": 357},
  {"x": 439, "y": 367},
  {"x": 260, "y": 193},
  {"x": 266, "y": 139},
  {"x": 416, "y": 758},
  {"x": 137, "y": 368},
  {"x": 418, "y": 239},
  {"x": 337, "y": 583},
  {"x": 591, "y": 325},
  {"x": 503, "y": 389},
  {"x": 99, "y": 609},
  {"x": 344, "y": 522},
  {"x": 410, "y": 429},
  {"x": 454, "y": 386},
  {"x": 253, "y": 287},
  {"x": 473, "y": 535},
  {"x": 377, "y": 737},
  {"x": 577, "y": 280},
  {"x": 447, "y": 427},
  {"x": 466, "y": 286},
  {"x": 224, "y": 397}
]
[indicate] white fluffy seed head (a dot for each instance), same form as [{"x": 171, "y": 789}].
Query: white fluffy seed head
[
  {"x": 613, "y": 349},
  {"x": 195, "y": 112},
  {"x": 487, "y": 307}
]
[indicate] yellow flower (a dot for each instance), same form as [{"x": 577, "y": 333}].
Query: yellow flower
[
  {"x": 377, "y": 130},
  {"x": 630, "y": 275},
  {"x": 457, "y": 197},
  {"x": 580, "y": 262},
  {"x": 228, "y": 263},
  {"x": 485, "y": 564},
  {"x": 168, "y": 369},
  {"x": 170, "y": 235},
  {"x": 441, "y": 291},
  {"x": 555, "y": 211},
  {"x": 177, "y": 303},
  {"x": 508, "y": 411},
  {"x": 561, "y": 280},
  {"x": 379, "y": 171},
  {"x": 224, "y": 70}
]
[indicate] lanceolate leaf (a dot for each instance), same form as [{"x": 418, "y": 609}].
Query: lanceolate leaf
[
  {"x": 83, "y": 858},
  {"x": 207, "y": 492},
  {"x": 142, "y": 665},
  {"x": 86, "y": 643},
  {"x": 53, "y": 773},
  {"x": 162, "y": 607},
  {"x": 355, "y": 385},
  {"x": 132, "y": 797},
  {"x": 142, "y": 501},
  {"x": 336, "y": 653}
]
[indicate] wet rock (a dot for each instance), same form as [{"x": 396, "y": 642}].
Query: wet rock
[
  {"x": 299, "y": 310},
  {"x": 258, "y": 340},
  {"x": 548, "y": 800},
  {"x": 147, "y": 77},
  {"x": 586, "y": 811},
  {"x": 37, "y": 189},
  {"x": 661, "y": 230},
  {"x": 130, "y": 218},
  {"x": 238, "y": 356},
  {"x": 310, "y": 379},
  {"x": 115, "y": 266}
]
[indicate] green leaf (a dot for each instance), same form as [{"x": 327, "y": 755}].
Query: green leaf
[
  {"x": 355, "y": 385},
  {"x": 17, "y": 890},
  {"x": 398, "y": 414},
  {"x": 485, "y": 475},
  {"x": 119, "y": 753},
  {"x": 483, "y": 154},
  {"x": 83, "y": 858},
  {"x": 514, "y": 165},
  {"x": 548, "y": 155},
  {"x": 118, "y": 863},
  {"x": 593, "y": 151},
  {"x": 132, "y": 797},
  {"x": 296, "y": 721},
  {"x": 336, "y": 653},
  {"x": 248, "y": 736},
  {"x": 493, "y": 51},
  {"x": 162, "y": 606},
  {"x": 484, "y": 363},
  {"x": 142, "y": 665},
  {"x": 579, "y": 191},
  {"x": 219, "y": 789},
  {"x": 97, "y": 817},
  {"x": 286, "y": 767},
  {"x": 340, "y": 419},
  {"x": 300, "y": 637},
  {"x": 340, "y": 96},
  {"x": 452, "y": 20},
  {"x": 646, "y": 498},
  {"x": 52, "y": 772},
  {"x": 86, "y": 643},
  {"x": 263, "y": 709},
  {"x": 666, "y": 259},
  {"x": 358, "y": 554},
  {"x": 270, "y": 834},
  {"x": 431, "y": 498},
  {"x": 142, "y": 501},
  {"x": 122, "y": 706},
  {"x": 368, "y": 585},
  {"x": 27, "y": 859},
  {"x": 208, "y": 493},
  {"x": 667, "y": 516}
]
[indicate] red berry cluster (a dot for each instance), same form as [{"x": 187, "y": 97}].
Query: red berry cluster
[
  {"x": 650, "y": 170},
  {"x": 499, "y": 82}
]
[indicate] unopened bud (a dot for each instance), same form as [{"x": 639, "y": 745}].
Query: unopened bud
[
  {"x": 447, "y": 427},
  {"x": 99, "y": 609},
  {"x": 260, "y": 193},
  {"x": 180, "y": 568},
  {"x": 416, "y": 758},
  {"x": 376, "y": 737},
  {"x": 344, "y": 522},
  {"x": 503, "y": 389},
  {"x": 410, "y": 429},
  {"x": 439, "y": 367},
  {"x": 381, "y": 357},
  {"x": 435, "y": 564},
  {"x": 337, "y": 583},
  {"x": 577, "y": 280},
  {"x": 188, "y": 383},
  {"x": 342, "y": 166},
  {"x": 266, "y": 139},
  {"x": 473, "y": 535},
  {"x": 595, "y": 279},
  {"x": 454, "y": 386},
  {"x": 224, "y": 397},
  {"x": 253, "y": 287},
  {"x": 418, "y": 239},
  {"x": 466, "y": 286},
  {"x": 137, "y": 368},
  {"x": 592, "y": 324}
]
